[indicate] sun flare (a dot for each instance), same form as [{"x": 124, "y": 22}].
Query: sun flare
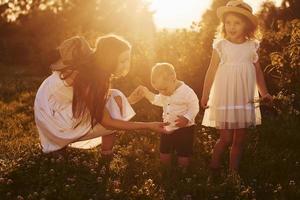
[
  {"x": 181, "y": 14},
  {"x": 177, "y": 13}
]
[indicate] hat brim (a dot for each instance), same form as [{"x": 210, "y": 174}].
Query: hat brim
[{"x": 226, "y": 9}]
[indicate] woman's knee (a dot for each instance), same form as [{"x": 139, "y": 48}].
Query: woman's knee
[{"x": 108, "y": 142}]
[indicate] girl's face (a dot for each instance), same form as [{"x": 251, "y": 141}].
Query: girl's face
[
  {"x": 234, "y": 27},
  {"x": 123, "y": 64}
]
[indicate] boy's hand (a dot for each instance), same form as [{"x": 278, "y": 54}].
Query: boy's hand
[{"x": 181, "y": 121}]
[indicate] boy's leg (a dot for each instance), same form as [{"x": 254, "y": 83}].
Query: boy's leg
[
  {"x": 239, "y": 139},
  {"x": 220, "y": 147},
  {"x": 183, "y": 161},
  {"x": 184, "y": 139},
  {"x": 165, "y": 148},
  {"x": 165, "y": 158}
]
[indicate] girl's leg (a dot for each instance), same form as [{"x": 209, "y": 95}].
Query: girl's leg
[
  {"x": 183, "y": 161},
  {"x": 165, "y": 158},
  {"x": 239, "y": 139},
  {"x": 220, "y": 147}
]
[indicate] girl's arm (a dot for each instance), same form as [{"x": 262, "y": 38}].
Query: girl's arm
[
  {"x": 261, "y": 84},
  {"x": 109, "y": 122},
  {"x": 209, "y": 77}
]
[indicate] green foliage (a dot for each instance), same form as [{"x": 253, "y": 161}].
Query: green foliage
[{"x": 280, "y": 54}]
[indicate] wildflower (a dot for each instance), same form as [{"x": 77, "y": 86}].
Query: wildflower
[
  {"x": 9, "y": 181},
  {"x": 99, "y": 179},
  {"x": 51, "y": 171},
  {"x": 19, "y": 197},
  {"x": 292, "y": 183}
]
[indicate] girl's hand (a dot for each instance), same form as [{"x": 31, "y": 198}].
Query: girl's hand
[
  {"x": 267, "y": 98},
  {"x": 157, "y": 127},
  {"x": 204, "y": 101},
  {"x": 181, "y": 121}
]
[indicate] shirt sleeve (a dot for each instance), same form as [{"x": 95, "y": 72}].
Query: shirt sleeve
[
  {"x": 193, "y": 106},
  {"x": 158, "y": 100}
]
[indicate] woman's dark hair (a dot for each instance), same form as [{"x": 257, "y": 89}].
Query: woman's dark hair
[{"x": 91, "y": 85}]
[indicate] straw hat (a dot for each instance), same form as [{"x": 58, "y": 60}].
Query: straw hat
[
  {"x": 73, "y": 51},
  {"x": 240, "y": 7}
]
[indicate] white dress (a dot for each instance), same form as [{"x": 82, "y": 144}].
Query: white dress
[
  {"x": 54, "y": 119},
  {"x": 232, "y": 97}
]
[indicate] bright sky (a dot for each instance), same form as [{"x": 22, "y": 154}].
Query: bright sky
[{"x": 181, "y": 13}]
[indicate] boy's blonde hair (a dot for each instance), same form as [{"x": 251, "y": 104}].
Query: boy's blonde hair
[{"x": 163, "y": 70}]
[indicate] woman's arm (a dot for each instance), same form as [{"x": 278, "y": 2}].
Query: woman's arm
[
  {"x": 209, "y": 77},
  {"x": 109, "y": 122}
]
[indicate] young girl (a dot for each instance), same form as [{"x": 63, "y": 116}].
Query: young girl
[
  {"x": 74, "y": 106},
  {"x": 232, "y": 82}
]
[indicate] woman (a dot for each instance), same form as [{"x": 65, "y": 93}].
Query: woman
[{"x": 74, "y": 106}]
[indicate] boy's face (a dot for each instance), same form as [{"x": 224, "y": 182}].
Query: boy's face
[{"x": 163, "y": 84}]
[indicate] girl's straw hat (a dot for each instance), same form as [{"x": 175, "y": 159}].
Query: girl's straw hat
[
  {"x": 240, "y": 7},
  {"x": 73, "y": 51}
]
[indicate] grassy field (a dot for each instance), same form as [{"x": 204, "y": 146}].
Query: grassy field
[{"x": 270, "y": 167}]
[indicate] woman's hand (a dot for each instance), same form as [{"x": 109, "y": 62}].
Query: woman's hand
[
  {"x": 204, "y": 101},
  {"x": 157, "y": 127}
]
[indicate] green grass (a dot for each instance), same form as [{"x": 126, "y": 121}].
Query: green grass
[{"x": 269, "y": 169}]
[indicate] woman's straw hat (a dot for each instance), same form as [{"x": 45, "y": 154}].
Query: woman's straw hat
[
  {"x": 237, "y": 6},
  {"x": 73, "y": 51}
]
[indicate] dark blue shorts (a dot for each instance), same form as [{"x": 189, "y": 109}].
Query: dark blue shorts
[{"x": 181, "y": 141}]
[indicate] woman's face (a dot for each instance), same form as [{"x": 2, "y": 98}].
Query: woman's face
[{"x": 123, "y": 64}]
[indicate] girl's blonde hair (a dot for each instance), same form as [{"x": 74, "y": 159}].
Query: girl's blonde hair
[{"x": 251, "y": 32}]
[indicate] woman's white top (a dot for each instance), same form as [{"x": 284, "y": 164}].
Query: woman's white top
[{"x": 54, "y": 119}]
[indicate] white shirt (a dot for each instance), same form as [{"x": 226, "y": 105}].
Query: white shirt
[{"x": 183, "y": 102}]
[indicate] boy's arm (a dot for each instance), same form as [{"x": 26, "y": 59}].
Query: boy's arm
[
  {"x": 192, "y": 111},
  {"x": 136, "y": 95},
  {"x": 150, "y": 96},
  {"x": 193, "y": 106},
  {"x": 155, "y": 99}
]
